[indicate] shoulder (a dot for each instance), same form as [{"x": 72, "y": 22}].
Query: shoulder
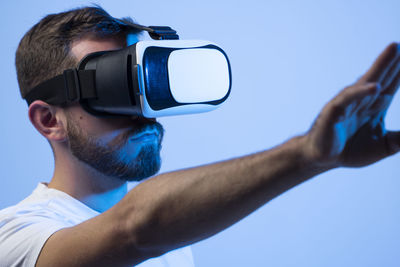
[
  {"x": 25, "y": 227},
  {"x": 23, "y": 232}
]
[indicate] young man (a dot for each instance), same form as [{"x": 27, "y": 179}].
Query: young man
[{"x": 86, "y": 217}]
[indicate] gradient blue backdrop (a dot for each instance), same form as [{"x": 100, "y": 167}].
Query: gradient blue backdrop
[{"x": 288, "y": 59}]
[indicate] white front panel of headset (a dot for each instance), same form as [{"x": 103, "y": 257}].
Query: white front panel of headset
[{"x": 198, "y": 75}]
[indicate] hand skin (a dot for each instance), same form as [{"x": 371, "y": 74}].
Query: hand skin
[
  {"x": 179, "y": 208},
  {"x": 350, "y": 131}
]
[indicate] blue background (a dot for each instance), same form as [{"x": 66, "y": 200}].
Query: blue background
[{"x": 288, "y": 58}]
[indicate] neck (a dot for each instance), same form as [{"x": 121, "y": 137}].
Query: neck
[{"x": 87, "y": 185}]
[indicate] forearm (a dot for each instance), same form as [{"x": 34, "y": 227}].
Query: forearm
[{"x": 182, "y": 207}]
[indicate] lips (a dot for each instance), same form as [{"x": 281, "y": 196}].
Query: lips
[{"x": 145, "y": 135}]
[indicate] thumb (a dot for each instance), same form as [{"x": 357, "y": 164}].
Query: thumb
[{"x": 392, "y": 142}]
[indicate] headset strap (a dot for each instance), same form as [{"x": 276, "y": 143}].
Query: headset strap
[
  {"x": 71, "y": 86},
  {"x": 163, "y": 33},
  {"x": 155, "y": 32}
]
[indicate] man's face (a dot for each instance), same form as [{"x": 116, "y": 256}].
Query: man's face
[{"x": 122, "y": 147}]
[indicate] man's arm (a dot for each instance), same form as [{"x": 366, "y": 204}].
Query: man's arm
[{"x": 179, "y": 208}]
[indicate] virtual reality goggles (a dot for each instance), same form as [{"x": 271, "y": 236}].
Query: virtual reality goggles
[{"x": 161, "y": 77}]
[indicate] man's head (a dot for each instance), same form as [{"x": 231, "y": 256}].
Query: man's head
[{"x": 121, "y": 147}]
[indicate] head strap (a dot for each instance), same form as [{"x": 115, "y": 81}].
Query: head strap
[
  {"x": 155, "y": 32},
  {"x": 71, "y": 86}
]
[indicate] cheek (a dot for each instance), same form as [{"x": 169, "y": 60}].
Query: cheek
[
  {"x": 105, "y": 131},
  {"x": 110, "y": 138}
]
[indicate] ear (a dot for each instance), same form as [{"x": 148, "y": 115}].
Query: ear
[{"x": 47, "y": 119}]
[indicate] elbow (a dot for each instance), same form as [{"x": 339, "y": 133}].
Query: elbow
[{"x": 145, "y": 236}]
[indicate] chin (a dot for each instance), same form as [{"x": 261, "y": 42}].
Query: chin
[{"x": 141, "y": 169}]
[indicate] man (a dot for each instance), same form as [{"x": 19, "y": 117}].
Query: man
[{"x": 86, "y": 217}]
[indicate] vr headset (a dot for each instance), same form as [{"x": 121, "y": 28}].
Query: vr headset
[{"x": 160, "y": 77}]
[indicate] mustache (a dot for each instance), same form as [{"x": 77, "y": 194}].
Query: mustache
[{"x": 140, "y": 126}]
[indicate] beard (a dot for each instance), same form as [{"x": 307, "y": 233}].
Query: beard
[{"x": 121, "y": 158}]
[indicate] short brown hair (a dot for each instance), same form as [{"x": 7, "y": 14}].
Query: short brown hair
[{"x": 44, "y": 51}]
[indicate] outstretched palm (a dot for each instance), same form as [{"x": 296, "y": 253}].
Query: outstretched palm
[{"x": 350, "y": 130}]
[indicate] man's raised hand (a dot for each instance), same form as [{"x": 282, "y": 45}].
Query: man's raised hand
[{"x": 350, "y": 130}]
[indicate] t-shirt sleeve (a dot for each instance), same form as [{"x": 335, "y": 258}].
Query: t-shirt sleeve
[{"x": 22, "y": 236}]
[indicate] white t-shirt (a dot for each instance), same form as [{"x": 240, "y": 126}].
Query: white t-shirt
[{"x": 25, "y": 227}]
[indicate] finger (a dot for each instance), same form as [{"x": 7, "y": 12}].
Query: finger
[
  {"x": 392, "y": 142},
  {"x": 354, "y": 98},
  {"x": 381, "y": 65},
  {"x": 384, "y": 99},
  {"x": 392, "y": 88},
  {"x": 392, "y": 73},
  {"x": 359, "y": 92}
]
